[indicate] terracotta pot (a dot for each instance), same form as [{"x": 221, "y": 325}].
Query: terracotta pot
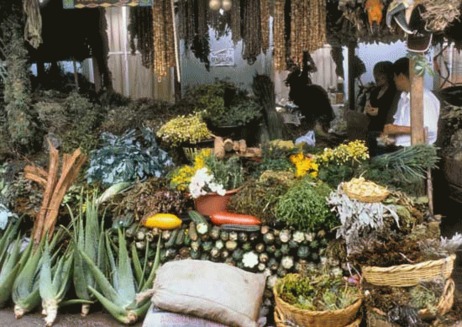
[{"x": 210, "y": 203}]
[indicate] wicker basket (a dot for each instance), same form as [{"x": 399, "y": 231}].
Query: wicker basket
[
  {"x": 290, "y": 315},
  {"x": 444, "y": 304},
  {"x": 378, "y": 318},
  {"x": 409, "y": 274},
  {"x": 365, "y": 197},
  {"x": 280, "y": 321}
]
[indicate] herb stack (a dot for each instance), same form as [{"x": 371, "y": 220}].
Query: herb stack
[{"x": 406, "y": 266}]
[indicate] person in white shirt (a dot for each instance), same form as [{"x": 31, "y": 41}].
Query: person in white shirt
[{"x": 401, "y": 127}]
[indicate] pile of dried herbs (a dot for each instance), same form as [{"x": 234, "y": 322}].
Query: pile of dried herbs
[
  {"x": 260, "y": 197},
  {"x": 149, "y": 197}
]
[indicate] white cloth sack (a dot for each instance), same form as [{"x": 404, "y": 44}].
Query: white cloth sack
[
  {"x": 158, "y": 318},
  {"x": 213, "y": 291}
]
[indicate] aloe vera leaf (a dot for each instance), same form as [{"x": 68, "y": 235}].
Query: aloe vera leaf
[
  {"x": 105, "y": 286},
  {"x": 137, "y": 265},
  {"x": 46, "y": 286},
  {"x": 148, "y": 283},
  {"x": 8, "y": 273},
  {"x": 126, "y": 287},
  {"x": 117, "y": 311}
]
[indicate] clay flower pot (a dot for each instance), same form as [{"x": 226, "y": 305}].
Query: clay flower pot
[{"x": 210, "y": 203}]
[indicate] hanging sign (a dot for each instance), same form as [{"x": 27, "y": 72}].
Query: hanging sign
[
  {"x": 78, "y": 4},
  {"x": 220, "y": 58}
]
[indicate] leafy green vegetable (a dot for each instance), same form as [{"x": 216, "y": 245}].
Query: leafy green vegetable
[{"x": 126, "y": 158}]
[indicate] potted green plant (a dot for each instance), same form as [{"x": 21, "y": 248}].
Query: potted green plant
[
  {"x": 210, "y": 181},
  {"x": 190, "y": 129}
]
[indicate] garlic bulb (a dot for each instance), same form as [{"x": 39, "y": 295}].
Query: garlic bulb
[
  {"x": 227, "y": 4},
  {"x": 214, "y": 4}
]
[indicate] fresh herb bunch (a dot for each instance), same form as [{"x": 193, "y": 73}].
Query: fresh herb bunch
[
  {"x": 404, "y": 169},
  {"x": 304, "y": 206},
  {"x": 184, "y": 129},
  {"x": 317, "y": 292},
  {"x": 134, "y": 155}
]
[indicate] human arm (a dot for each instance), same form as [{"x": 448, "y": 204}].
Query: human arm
[{"x": 391, "y": 129}]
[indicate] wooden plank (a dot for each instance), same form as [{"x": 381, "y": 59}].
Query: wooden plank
[{"x": 417, "y": 118}]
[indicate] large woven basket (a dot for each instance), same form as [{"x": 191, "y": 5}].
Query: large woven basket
[
  {"x": 409, "y": 274},
  {"x": 281, "y": 321},
  {"x": 444, "y": 305},
  {"x": 288, "y": 315}
]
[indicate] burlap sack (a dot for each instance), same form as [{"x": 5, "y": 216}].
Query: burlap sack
[{"x": 214, "y": 291}]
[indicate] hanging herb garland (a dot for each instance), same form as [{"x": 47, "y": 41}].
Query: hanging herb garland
[
  {"x": 164, "y": 53},
  {"x": 141, "y": 34},
  {"x": 251, "y": 34},
  {"x": 279, "y": 55},
  {"x": 235, "y": 22},
  {"x": 307, "y": 27},
  {"x": 194, "y": 29},
  {"x": 264, "y": 8}
]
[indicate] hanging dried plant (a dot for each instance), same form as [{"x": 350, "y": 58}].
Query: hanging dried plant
[
  {"x": 279, "y": 55},
  {"x": 307, "y": 27},
  {"x": 164, "y": 53},
  {"x": 264, "y": 20},
  {"x": 252, "y": 36},
  {"x": 141, "y": 37},
  {"x": 235, "y": 22}
]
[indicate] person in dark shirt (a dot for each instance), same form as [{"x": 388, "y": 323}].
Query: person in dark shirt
[{"x": 380, "y": 103}]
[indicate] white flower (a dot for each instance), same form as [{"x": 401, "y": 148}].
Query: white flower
[{"x": 203, "y": 182}]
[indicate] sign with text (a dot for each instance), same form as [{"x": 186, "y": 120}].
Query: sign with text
[
  {"x": 78, "y": 4},
  {"x": 220, "y": 58}
]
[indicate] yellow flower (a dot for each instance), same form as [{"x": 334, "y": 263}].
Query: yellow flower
[{"x": 303, "y": 165}]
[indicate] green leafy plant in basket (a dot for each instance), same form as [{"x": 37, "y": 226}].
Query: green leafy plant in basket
[{"x": 317, "y": 292}]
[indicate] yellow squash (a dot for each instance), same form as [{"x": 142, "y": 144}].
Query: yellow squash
[{"x": 162, "y": 221}]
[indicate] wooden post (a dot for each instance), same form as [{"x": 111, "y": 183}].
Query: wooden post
[
  {"x": 351, "y": 80},
  {"x": 417, "y": 119}
]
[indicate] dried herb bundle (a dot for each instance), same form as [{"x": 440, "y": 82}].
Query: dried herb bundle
[
  {"x": 149, "y": 197},
  {"x": 251, "y": 33},
  {"x": 279, "y": 55},
  {"x": 141, "y": 37},
  {"x": 307, "y": 29},
  {"x": 164, "y": 42}
]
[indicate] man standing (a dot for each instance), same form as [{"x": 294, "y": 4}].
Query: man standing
[{"x": 401, "y": 127}]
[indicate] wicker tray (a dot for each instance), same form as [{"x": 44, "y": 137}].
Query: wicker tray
[
  {"x": 290, "y": 315},
  {"x": 409, "y": 274}
]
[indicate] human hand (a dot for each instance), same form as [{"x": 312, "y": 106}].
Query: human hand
[
  {"x": 372, "y": 111},
  {"x": 388, "y": 129}
]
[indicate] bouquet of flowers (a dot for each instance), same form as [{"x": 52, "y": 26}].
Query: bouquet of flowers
[{"x": 208, "y": 174}]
